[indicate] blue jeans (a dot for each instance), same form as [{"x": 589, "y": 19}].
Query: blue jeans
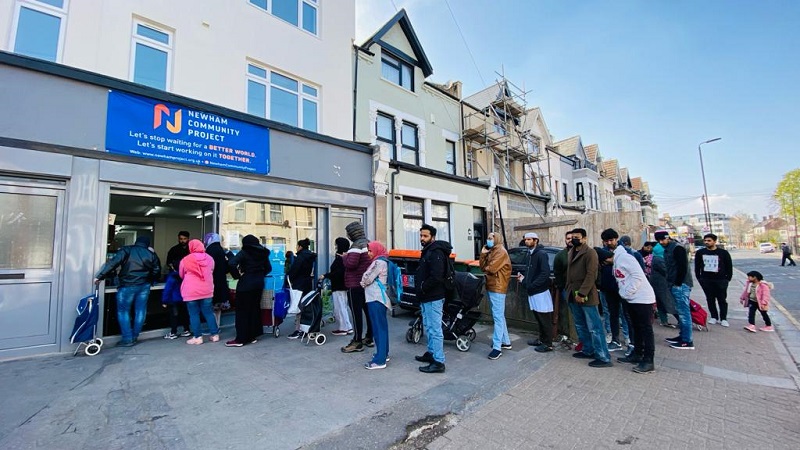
[
  {"x": 380, "y": 331},
  {"x": 195, "y": 308},
  {"x": 135, "y": 296},
  {"x": 681, "y": 294},
  {"x": 500, "y": 335},
  {"x": 432, "y": 322},
  {"x": 589, "y": 327}
]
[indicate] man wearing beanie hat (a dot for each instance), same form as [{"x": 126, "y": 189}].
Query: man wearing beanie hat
[
  {"x": 356, "y": 262},
  {"x": 679, "y": 278},
  {"x": 139, "y": 269}
]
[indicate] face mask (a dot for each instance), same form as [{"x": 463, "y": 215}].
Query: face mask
[
  {"x": 576, "y": 242},
  {"x": 489, "y": 243}
]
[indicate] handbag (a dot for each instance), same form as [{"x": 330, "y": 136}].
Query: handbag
[{"x": 294, "y": 299}]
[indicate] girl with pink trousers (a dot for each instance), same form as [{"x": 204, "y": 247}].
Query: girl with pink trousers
[
  {"x": 756, "y": 297},
  {"x": 197, "y": 289}
]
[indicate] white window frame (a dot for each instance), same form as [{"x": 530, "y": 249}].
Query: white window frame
[
  {"x": 44, "y": 8},
  {"x": 139, "y": 39},
  {"x": 301, "y": 94},
  {"x": 312, "y": 3}
]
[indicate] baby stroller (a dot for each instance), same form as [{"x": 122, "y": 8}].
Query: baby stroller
[
  {"x": 311, "y": 317},
  {"x": 459, "y": 315},
  {"x": 83, "y": 332}
]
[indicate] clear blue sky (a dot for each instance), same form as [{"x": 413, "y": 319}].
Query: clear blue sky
[{"x": 645, "y": 80}]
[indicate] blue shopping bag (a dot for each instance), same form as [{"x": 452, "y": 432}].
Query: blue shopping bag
[{"x": 281, "y": 305}]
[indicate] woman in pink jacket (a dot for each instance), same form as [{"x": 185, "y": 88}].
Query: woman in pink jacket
[{"x": 197, "y": 289}]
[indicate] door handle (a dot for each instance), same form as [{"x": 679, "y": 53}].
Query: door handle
[{"x": 12, "y": 276}]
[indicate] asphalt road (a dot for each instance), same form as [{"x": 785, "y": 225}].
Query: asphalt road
[{"x": 786, "y": 279}]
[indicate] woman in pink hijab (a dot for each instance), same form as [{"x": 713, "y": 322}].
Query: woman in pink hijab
[
  {"x": 377, "y": 303},
  {"x": 197, "y": 289}
]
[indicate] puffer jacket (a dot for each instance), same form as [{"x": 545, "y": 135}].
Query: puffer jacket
[
  {"x": 197, "y": 271},
  {"x": 762, "y": 294},
  {"x": 496, "y": 264},
  {"x": 356, "y": 262},
  {"x": 138, "y": 265}
]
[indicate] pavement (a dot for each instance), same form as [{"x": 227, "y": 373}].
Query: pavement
[{"x": 736, "y": 390}]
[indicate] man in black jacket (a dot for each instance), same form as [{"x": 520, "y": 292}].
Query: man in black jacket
[
  {"x": 714, "y": 269},
  {"x": 430, "y": 289},
  {"x": 536, "y": 280},
  {"x": 139, "y": 269},
  {"x": 679, "y": 278}
]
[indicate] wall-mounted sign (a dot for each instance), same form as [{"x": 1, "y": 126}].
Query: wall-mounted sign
[{"x": 152, "y": 129}]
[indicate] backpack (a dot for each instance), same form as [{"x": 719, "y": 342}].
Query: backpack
[{"x": 394, "y": 280}]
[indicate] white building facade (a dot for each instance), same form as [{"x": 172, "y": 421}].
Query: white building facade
[{"x": 233, "y": 53}]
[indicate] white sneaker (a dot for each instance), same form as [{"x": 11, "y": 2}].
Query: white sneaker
[
  {"x": 712, "y": 321},
  {"x": 724, "y": 323}
]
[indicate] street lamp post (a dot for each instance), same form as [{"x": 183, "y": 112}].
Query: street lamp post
[{"x": 705, "y": 191}]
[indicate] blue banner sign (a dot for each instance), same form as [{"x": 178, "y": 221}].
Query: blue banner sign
[{"x": 152, "y": 129}]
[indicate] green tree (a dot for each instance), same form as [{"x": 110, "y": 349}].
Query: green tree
[{"x": 787, "y": 196}]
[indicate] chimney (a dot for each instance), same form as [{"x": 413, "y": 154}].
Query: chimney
[
  {"x": 454, "y": 87},
  {"x": 763, "y": 218},
  {"x": 770, "y": 217}
]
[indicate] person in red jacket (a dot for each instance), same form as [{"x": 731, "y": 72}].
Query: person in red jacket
[{"x": 356, "y": 262}]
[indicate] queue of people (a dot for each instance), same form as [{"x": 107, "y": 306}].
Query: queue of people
[{"x": 594, "y": 286}]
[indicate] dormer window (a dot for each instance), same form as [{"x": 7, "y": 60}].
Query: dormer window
[{"x": 396, "y": 71}]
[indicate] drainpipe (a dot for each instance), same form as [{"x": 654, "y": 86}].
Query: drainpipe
[
  {"x": 355, "y": 90},
  {"x": 391, "y": 214}
]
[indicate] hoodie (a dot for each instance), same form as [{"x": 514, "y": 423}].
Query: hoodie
[
  {"x": 431, "y": 272},
  {"x": 301, "y": 272},
  {"x": 631, "y": 280},
  {"x": 197, "y": 271}
]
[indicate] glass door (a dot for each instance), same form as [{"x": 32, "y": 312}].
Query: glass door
[{"x": 31, "y": 234}]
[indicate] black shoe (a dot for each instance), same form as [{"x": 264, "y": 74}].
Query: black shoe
[
  {"x": 368, "y": 342},
  {"x": 494, "y": 354},
  {"x": 600, "y": 363},
  {"x": 505, "y": 346},
  {"x": 632, "y": 359},
  {"x": 535, "y": 343},
  {"x": 683, "y": 345},
  {"x": 673, "y": 340},
  {"x": 581, "y": 355},
  {"x": 434, "y": 367},
  {"x": 544, "y": 348},
  {"x": 427, "y": 357},
  {"x": 125, "y": 344},
  {"x": 295, "y": 335},
  {"x": 644, "y": 367}
]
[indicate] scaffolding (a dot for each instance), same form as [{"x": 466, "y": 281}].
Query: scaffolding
[{"x": 496, "y": 121}]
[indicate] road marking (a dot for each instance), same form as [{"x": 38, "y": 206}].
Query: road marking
[{"x": 786, "y": 313}]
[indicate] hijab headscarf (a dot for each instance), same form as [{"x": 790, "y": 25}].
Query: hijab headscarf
[
  {"x": 212, "y": 238},
  {"x": 377, "y": 249},
  {"x": 658, "y": 250},
  {"x": 342, "y": 245},
  {"x": 250, "y": 240}
]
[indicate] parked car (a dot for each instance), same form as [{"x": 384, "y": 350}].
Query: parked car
[
  {"x": 518, "y": 257},
  {"x": 766, "y": 247}
]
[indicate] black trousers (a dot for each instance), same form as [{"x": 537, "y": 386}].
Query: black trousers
[
  {"x": 716, "y": 291},
  {"x": 641, "y": 325},
  {"x": 178, "y": 315},
  {"x": 613, "y": 300},
  {"x": 545, "y": 322},
  {"x": 789, "y": 257},
  {"x": 358, "y": 304},
  {"x": 626, "y": 312},
  {"x": 248, "y": 316},
  {"x": 751, "y": 314}
]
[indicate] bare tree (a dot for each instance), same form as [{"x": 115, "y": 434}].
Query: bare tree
[{"x": 741, "y": 224}]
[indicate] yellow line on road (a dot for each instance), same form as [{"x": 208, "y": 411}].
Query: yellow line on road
[{"x": 786, "y": 313}]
